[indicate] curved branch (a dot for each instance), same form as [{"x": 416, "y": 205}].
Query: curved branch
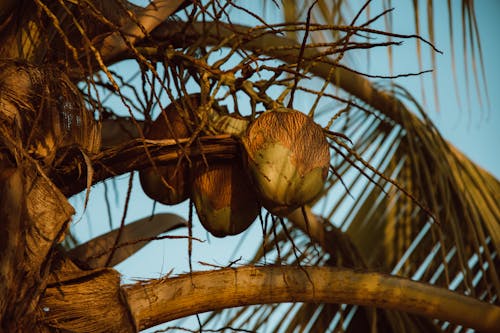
[
  {"x": 145, "y": 21},
  {"x": 130, "y": 156},
  {"x": 163, "y": 300}
]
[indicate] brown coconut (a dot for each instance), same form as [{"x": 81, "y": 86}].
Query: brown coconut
[
  {"x": 288, "y": 158},
  {"x": 224, "y": 199},
  {"x": 170, "y": 124}
]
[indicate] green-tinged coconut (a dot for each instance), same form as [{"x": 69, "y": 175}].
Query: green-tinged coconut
[
  {"x": 169, "y": 184},
  {"x": 224, "y": 200},
  {"x": 287, "y": 158}
]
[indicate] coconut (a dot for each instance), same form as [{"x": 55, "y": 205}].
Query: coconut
[
  {"x": 287, "y": 157},
  {"x": 170, "y": 124},
  {"x": 223, "y": 198}
]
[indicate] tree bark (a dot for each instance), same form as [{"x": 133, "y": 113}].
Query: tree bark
[
  {"x": 163, "y": 300},
  {"x": 33, "y": 216},
  {"x": 81, "y": 301}
]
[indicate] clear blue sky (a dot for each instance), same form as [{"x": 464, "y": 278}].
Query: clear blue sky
[{"x": 474, "y": 131}]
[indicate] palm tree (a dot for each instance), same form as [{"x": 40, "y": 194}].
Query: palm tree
[{"x": 410, "y": 235}]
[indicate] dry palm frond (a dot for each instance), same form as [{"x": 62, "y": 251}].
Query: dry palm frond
[
  {"x": 134, "y": 236},
  {"x": 43, "y": 111},
  {"x": 393, "y": 234}
]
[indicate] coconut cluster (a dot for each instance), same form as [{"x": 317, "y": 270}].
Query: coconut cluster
[
  {"x": 284, "y": 165},
  {"x": 223, "y": 197}
]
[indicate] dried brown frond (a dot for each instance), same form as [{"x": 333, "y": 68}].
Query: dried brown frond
[
  {"x": 85, "y": 301},
  {"x": 44, "y": 111}
]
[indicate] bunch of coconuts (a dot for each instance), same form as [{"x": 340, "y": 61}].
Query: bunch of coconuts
[{"x": 284, "y": 165}]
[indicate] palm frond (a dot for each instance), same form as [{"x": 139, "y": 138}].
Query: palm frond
[
  {"x": 117, "y": 245},
  {"x": 460, "y": 253}
]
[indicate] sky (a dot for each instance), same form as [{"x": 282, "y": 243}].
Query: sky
[{"x": 473, "y": 128}]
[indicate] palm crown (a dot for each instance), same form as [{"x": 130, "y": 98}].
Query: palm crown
[{"x": 371, "y": 185}]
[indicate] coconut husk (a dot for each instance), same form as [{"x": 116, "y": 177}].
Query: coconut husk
[
  {"x": 84, "y": 301},
  {"x": 287, "y": 157},
  {"x": 224, "y": 199},
  {"x": 169, "y": 184},
  {"x": 44, "y": 112}
]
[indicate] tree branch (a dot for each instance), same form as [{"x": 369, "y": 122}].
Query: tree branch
[
  {"x": 163, "y": 300},
  {"x": 130, "y": 156},
  {"x": 145, "y": 21},
  {"x": 259, "y": 41}
]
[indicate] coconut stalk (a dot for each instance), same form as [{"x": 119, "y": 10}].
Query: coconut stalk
[{"x": 288, "y": 158}]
